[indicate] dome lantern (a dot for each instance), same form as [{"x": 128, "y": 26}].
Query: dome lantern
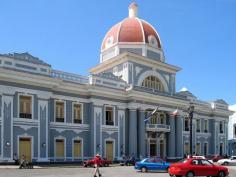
[{"x": 133, "y": 10}]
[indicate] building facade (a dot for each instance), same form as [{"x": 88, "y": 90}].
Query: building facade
[
  {"x": 232, "y": 132},
  {"x": 51, "y": 115}
]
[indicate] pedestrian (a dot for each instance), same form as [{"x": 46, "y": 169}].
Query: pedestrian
[
  {"x": 97, "y": 164},
  {"x": 22, "y": 162},
  {"x": 15, "y": 158}
]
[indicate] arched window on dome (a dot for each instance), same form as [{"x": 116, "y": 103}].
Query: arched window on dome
[{"x": 153, "y": 83}]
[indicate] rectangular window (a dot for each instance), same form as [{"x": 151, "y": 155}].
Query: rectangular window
[
  {"x": 60, "y": 148},
  {"x": 154, "y": 119},
  {"x": 205, "y": 126},
  {"x": 25, "y": 107},
  {"x": 221, "y": 127},
  {"x": 162, "y": 118},
  {"x": 77, "y": 148},
  {"x": 186, "y": 148},
  {"x": 221, "y": 149},
  {"x": 77, "y": 113},
  {"x": 109, "y": 116},
  {"x": 198, "y": 149},
  {"x": 198, "y": 128},
  {"x": 205, "y": 148},
  {"x": 186, "y": 124},
  {"x": 234, "y": 131},
  {"x": 60, "y": 111}
]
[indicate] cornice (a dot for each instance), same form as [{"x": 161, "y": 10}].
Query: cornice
[{"x": 127, "y": 56}]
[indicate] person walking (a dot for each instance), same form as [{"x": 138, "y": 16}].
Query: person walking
[
  {"x": 97, "y": 164},
  {"x": 22, "y": 162},
  {"x": 15, "y": 158}
]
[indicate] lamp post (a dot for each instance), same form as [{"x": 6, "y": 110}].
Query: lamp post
[{"x": 190, "y": 116}]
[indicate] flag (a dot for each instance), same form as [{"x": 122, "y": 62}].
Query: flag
[
  {"x": 150, "y": 115},
  {"x": 175, "y": 112}
]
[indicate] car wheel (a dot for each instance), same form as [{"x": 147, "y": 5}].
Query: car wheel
[
  {"x": 143, "y": 169},
  {"x": 190, "y": 174},
  {"x": 221, "y": 174},
  {"x": 226, "y": 163},
  {"x": 178, "y": 176}
]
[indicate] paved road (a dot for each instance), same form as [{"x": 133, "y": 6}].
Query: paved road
[{"x": 84, "y": 172}]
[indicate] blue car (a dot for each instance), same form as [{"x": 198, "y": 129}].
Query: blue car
[{"x": 152, "y": 164}]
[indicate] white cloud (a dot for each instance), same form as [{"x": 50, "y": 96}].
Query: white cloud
[
  {"x": 184, "y": 89},
  {"x": 232, "y": 107}
]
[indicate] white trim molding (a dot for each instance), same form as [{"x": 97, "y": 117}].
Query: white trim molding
[
  {"x": 82, "y": 148},
  {"x": 55, "y": 110},
  {"x": 25, "y": 135},
  {"x": 81, "y": 111},
  {"x": 32, "y": 105}
]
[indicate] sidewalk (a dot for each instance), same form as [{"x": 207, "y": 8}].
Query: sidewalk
[
  {"x": 15, "y": 167},
  {"x": 52, "y": 166}
]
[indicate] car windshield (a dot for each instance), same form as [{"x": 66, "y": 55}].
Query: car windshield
[
  {"x": 154, "y": 160},
  {"x": 183, "y": 161},
  {"x": 206, "y": 162},
  {"x": 144, "y": 160}
]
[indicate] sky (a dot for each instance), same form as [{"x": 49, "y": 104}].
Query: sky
[{"x": 197, "y": 35}]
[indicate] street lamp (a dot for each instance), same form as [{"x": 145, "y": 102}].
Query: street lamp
[{"x": 190, "y": 116}]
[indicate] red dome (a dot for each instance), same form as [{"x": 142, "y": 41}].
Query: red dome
[{"x": 131, "y": 30}]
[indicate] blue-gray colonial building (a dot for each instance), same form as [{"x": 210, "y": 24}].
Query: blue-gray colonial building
[{"x": 51, "y": 115}]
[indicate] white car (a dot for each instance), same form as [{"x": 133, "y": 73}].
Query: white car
[
  {"x": 201, "y": 157},
  {"x": 230, "y": 161}
]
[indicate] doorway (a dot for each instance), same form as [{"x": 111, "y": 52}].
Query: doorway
[
  {"x": 153, "y": 148},
  {"x": 109, "y": 150},
  {"x": 25, "y": 148},
  {"x": 162, "y": 149}
]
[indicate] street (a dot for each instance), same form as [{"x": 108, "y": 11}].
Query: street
[{"x": 116, "y": 171}]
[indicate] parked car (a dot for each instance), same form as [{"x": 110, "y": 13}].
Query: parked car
[
  {"x": 104, "y": 162},
  {"x": 198, "y": 157},
  {"x": 152, "y": 164},
  {"x": 229, "y": 161},
  {"x": 128, "y": 161},
  {"x": 197, "y": 167},
  {"x": 214, "y": 158}
]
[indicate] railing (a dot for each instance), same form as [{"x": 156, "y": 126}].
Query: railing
[
  {"x": 109, "y": 122},
  {"x": 59, "y": 119},
  {"x": 158, "y": 127},
  {"x": 77, "y": 121},
  {"x": 186, "y": 129},
  {"x": 69, "y": 77},
  {"x": 25, "y": 115}
]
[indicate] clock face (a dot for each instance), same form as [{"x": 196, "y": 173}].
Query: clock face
[
  {"x": 109, "y": 41},
  {"x": 152, "y": 41}
]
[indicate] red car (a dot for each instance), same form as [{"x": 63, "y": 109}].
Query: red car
[
  {"x": 217, "y": 157},
  {"x": 104, "y": 162},
  {"x": 197, "y": 167}
]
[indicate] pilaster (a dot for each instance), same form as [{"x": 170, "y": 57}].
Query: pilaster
[
  {"x": 142, "y": 134},
  {"x": 7, "y": 128},
  {"x": 179, "y": 136},
  {"x": 133, "y": 132},
  {"x": 43, "y": 130},
  {"x": 171, "y": 138}
]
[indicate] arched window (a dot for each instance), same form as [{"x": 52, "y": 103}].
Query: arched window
[{"x": 153, "y": 83}]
